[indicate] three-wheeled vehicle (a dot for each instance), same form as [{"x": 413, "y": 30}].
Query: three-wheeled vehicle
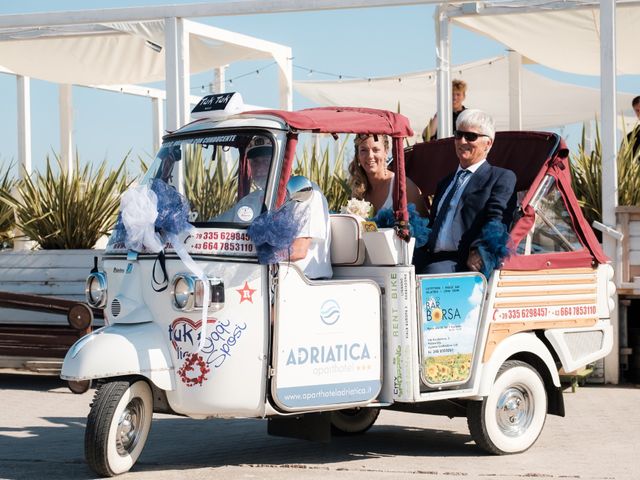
[{"x": 202, "y": 329}]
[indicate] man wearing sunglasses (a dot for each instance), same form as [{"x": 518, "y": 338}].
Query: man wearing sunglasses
[{"x": 468, "y": 199}]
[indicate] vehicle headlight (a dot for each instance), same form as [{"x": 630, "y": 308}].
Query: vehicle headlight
[
  {"x": 183, "y": 291},
  {"x": 95, "y": 289},
  {"x": 188, "y": 293}
]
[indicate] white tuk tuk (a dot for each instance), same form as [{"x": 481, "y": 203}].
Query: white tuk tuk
[{"x": 196, "y": 326}]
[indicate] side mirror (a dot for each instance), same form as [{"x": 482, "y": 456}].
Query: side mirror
[{"x": 299, "y": 188}]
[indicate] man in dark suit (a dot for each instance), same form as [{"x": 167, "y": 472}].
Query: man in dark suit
[{"x": 467, "y": 200}]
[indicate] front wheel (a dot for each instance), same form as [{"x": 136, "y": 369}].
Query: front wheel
[
  {"x": 117, "y": 426},
  {"x": 511, "y": 418},
  {"x": 353, "y": 420}
]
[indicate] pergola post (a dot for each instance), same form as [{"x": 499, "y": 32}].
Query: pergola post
[
  {"x": 285, "y": 80},
  {"x": 158, "y": 122},
  {"x": 443, "y": 69},
  {"x": 609, "y": 179},
  {"x": 175, "y": 68},
  {"x": 515, "y": 90},
  {"x": 219, "y": 79},
  {"x": 24, "y": 125},
  {"x": 171, "y": 73},
  {"x": 66, "y": 127}
]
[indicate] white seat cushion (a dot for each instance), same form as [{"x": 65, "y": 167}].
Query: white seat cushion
[{"x": 347, "y": 247}]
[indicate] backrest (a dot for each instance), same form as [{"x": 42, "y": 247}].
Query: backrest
[{"x": 347, "y": 247}]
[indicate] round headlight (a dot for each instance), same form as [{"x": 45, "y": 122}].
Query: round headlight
[
  {"x": 95, "y": 289},
  {"x": 183, "y": 291}
]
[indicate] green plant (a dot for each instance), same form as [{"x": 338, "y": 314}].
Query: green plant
[
  {"x": 587, "y": 176},
  {"x": 68, "y": 210},
  {"x": 210, "y": 189},
  {"x": 7, "y": 214},
  {"x": 332, "y": 180}
]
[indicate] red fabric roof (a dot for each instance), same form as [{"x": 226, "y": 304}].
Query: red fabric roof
[{"x": 344, "y": 120}]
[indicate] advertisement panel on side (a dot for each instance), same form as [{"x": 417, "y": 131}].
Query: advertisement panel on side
[
  {"x": 328, "y": 343},
  {"x": 401, "y": 325},
  {"x": 450, "y": 311}
]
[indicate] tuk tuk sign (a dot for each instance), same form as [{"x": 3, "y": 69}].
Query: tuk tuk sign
[{"x": 450, "y": 310}]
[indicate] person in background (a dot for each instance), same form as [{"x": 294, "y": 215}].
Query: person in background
[
  {"x": 467, "y": 200},
  {"x": 371, "y": 180},
  {"x": 634, "y": 135},
  {"x": 458, "y": 94}
]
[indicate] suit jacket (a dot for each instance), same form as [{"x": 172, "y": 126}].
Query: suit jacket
[{"x": 488, "y": 195}]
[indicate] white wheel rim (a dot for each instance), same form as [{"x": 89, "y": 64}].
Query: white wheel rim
[
  {"x": 515, "y": 411},
  {"x": 130, "y": 427}
]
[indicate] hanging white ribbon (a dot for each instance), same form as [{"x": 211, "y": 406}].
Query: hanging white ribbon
[{"x": 178, "y": 246}]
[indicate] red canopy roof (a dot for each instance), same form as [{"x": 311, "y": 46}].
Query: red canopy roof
[{"x": 344, "y": 120}]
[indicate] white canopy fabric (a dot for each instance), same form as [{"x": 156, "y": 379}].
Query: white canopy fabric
[
  {"x": 571, "y": 38},
  {"x": 545, "y": 103},
  {"x": 115, "y": 53}
]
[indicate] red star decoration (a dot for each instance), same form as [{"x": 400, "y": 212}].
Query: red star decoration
[{"x": 246, "y": 293}]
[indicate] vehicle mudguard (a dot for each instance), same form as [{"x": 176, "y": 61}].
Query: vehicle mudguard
[
  {"x": 121, "y": 349},
  {"x": 519, "y": 343}
]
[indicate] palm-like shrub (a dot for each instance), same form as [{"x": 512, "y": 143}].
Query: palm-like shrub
[
  {"x": 587, "y": 176},
  {"x": 210, "y": 189},
  {"x": 7, "y": 215},
  {"x": 68, "y": 210},
  {"x": 332, "y": 180}
]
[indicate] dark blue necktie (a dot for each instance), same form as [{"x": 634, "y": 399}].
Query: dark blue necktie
[{"x": 442, "y": 212}]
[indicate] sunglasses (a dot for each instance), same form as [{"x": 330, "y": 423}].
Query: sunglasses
[{"x": 468, "y": 136}]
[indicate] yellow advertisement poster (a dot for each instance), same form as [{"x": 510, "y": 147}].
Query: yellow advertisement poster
[{"x": 450, "y": 311}]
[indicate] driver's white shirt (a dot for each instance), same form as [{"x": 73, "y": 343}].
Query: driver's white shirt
[{"x": 314, "y": 214}]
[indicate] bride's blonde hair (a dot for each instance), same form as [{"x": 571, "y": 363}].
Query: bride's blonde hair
[{"x": 358, "y": 180}]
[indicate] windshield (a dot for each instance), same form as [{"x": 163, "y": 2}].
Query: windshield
[{"x": 225, "y": 175}]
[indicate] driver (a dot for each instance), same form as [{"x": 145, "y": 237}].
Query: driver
[
  {"x": 311, "y": 248},
  {"x": 250, "y": 206}
]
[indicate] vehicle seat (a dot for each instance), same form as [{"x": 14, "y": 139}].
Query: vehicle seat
[{"x": 347, "y": 246}]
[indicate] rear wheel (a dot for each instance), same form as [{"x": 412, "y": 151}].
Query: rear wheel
[
  {"x": 353, "y": 420},
  {"x": 117, "y": 426},
  {"x": 511, "y": 418},
  {"x": 79, "y": 386}
]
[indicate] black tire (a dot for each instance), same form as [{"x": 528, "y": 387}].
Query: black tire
[
  {"x": 353, "y": 421},
  {"x": 117, "y": 426},
  {"x": 80, "y": 386},
  {"x": 510, "y": 419}
]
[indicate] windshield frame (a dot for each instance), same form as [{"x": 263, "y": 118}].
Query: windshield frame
[{"x": 278, "y": 140}]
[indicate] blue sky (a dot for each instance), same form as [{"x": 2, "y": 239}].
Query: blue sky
[{"x": 361, "y": 43}]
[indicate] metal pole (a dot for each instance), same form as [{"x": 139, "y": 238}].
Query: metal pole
[
  {"x": 158, "y": 122},
  {"x": 171, "y": 73},
  {"x": 609, "y": 150},
  {"x": 515, "y": 90},
  {"x": 443, "y": 69},
  {"x": 66, "y": 127},
  {"x": 24, "y": 126},
  {"x": 219, "y": 79}
]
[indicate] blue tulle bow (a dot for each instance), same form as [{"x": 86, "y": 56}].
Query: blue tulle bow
[
  {"x": 273, "y": 233},
  {"x": 493, "y": 246},
  {"x": 173, "y": 209},
  {"x": 417, "y": 224}
]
